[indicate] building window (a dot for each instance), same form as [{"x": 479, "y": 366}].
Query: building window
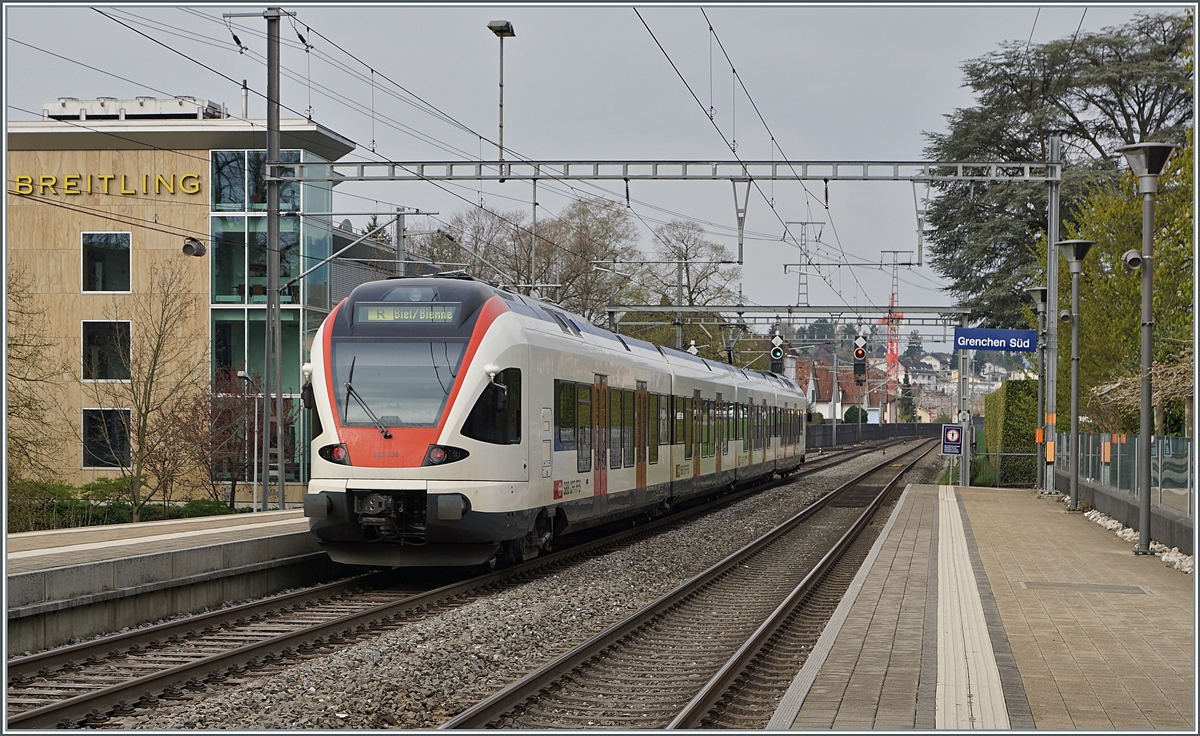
[
  {"x": 106, "y": 261},
  {"x": 106, "y": 351},
  {"x": 105, "y": 438},
  {"x": 289, "y": 192},
  {"x": 228, "y": 181},
  {"x": 228, "y": 259}
]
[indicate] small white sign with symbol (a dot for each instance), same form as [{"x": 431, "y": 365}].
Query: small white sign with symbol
[
  {"x": 777, "y": 341},
  {"x": 860, "y": 342}
]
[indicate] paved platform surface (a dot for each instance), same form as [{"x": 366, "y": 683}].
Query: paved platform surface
[
  {"x": 997, "y": 609},
  {"x": 29, "y": 551}
]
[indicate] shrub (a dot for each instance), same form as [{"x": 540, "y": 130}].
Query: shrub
[{"x": 204, "y": 507}]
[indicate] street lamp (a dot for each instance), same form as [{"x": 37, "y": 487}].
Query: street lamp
[
  {"x": 1075, "y": 251},
  {"x": 1039, "y": 299},
  {"x": 503, "y": 29},
  {"x": 242, "y": 375},
  {"x": 1146, "y": 160}
]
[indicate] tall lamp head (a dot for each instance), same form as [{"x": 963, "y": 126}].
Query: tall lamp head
[
  {"x": 1148, "y": 160},
  {"x": 1075, "y": 251},
  {"x": 502, "y": 28}
]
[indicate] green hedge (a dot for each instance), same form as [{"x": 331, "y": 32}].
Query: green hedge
[
  {"x": 1010, "y": 420},
  {"x": 39, "y": 505}
]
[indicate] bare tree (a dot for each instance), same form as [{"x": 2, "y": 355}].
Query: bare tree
[
  {"x": 499, "y": 247},
  {"x": 163, "y": 368},
  {"x": 481, "y": 238},
  {"x": 36, "y": 368},
  {"x": 708, "y": 269},
  {"x": 227, "y": 449},
  {"x": 569, "y": 246}
]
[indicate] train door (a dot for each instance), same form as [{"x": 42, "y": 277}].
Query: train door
[
  {"x": 641, "y": 431},
  {"x": 696, "y": 432},
  {"x": 600, "y": 437}
]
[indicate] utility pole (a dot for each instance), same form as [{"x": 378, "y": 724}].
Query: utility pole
[
  {"x": 834, "y": 397},
  {"x": 679, "y": 302},
  {"x": 964, "y": 405},
  {"x": 1052, "y": 321},
  {"x": 273, "y": 313},
  {"x": 272, "y": 337},
  {"x": 401, "y": 253}
]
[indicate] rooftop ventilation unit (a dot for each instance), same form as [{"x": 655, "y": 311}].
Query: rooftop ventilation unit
[{"x": 141, "y": 108}]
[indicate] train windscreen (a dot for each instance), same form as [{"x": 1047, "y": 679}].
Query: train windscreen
[{"x": 403, "y": 383}]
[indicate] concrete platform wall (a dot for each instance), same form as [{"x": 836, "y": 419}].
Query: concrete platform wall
[
  {"x": 48, "y": 608},
  {"x": 1167, "y": 526}
]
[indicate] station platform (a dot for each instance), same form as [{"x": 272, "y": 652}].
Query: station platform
[
  {"x": 984, "y": 608},
  {"x": 68, "y": 583}
]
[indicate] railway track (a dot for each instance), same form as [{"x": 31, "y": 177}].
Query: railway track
[
  {"x": 683, "y": 661},
  {"x": 89, "y": 684}
]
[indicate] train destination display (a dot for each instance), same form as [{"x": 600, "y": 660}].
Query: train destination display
[{"x": 424, "y": 313}]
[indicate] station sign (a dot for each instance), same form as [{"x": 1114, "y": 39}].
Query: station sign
[
  {"x": 952, "y": 439},
  {"x": 1021, "y": 341}
]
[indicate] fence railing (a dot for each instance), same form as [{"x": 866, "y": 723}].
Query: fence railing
[
  {"x": 821, "y": 435},
  {"x": 1112, "y": 460},
  {"x": 1004, "y": 469}
]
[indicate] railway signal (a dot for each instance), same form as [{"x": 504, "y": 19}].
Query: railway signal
[{"x": 860, "y": 359}]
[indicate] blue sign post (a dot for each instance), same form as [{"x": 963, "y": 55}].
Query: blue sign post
[
  {"x": 1021, "y": 341},
  {"x": 952, "y": 439}
]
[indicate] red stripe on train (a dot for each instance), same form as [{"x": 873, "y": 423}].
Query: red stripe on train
[{"x": 406, "y": 448}]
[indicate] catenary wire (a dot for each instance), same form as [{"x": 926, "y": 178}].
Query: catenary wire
[{"x": 722, "y": 135}]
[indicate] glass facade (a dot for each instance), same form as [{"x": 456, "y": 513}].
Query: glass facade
[{"x": 238, "y": 262}]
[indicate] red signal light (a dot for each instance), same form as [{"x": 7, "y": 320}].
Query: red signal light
[{"x": 860, "y": 354}]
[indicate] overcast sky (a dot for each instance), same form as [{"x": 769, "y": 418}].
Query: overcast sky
[{"x": 852, "y": 82}]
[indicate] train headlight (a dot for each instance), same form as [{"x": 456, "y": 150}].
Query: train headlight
[
  {"x": 443, "y": 454},
  {"x": 335, "y": 454}
]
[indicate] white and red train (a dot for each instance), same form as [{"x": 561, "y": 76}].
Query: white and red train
[{"x": 457, "y": 424}]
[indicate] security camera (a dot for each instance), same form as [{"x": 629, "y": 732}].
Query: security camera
[
  {"x": 1132, "y": 260},
  {"x": 192, "y": 247},
  {"x": 1064, "y": 315}
]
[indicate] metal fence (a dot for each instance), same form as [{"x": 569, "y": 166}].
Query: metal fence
[
  {"x": 1112, "y": 460},
  {"x": 821, "y": 435},
  {"x": 1004, "y": 469}
]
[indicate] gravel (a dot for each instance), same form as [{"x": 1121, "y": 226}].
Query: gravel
[
  {"x": 1171, "y": 557},
  {"x": 428, "y": 671}
]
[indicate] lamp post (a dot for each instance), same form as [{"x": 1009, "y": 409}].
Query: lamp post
[
  {"x": 1039, "y": 299},
  {"x": 503, "y": 29},
  {"x": 254, "y": 463},
  {"x": 1075, "y": 251},
  {"x": 1146, "y": 160}
]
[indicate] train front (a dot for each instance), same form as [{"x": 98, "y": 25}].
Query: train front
[{"x": 418, "y": 456}]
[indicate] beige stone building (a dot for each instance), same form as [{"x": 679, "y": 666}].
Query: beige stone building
[{"x": 102, "y": 195}]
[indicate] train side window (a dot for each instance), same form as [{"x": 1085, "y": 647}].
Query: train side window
[
  {"x": 496, "y": 418},
  {"x": 664, "y": 420},
  {"x": 614, "y": 428},
  {"x": 706, "y": 420},
  {"x": 654, "y": 426},
  {"x": 689, "y": 428},
  {"x": 743, "y": 435},
  {"x": 583, "y": 431},
  {"x": 564, "y": 415},
  {"x": 677, "y": 435},
  {"x": 627, "y": 434}
]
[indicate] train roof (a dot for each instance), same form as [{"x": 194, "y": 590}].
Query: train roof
[{"x": 458, "y": 286}]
